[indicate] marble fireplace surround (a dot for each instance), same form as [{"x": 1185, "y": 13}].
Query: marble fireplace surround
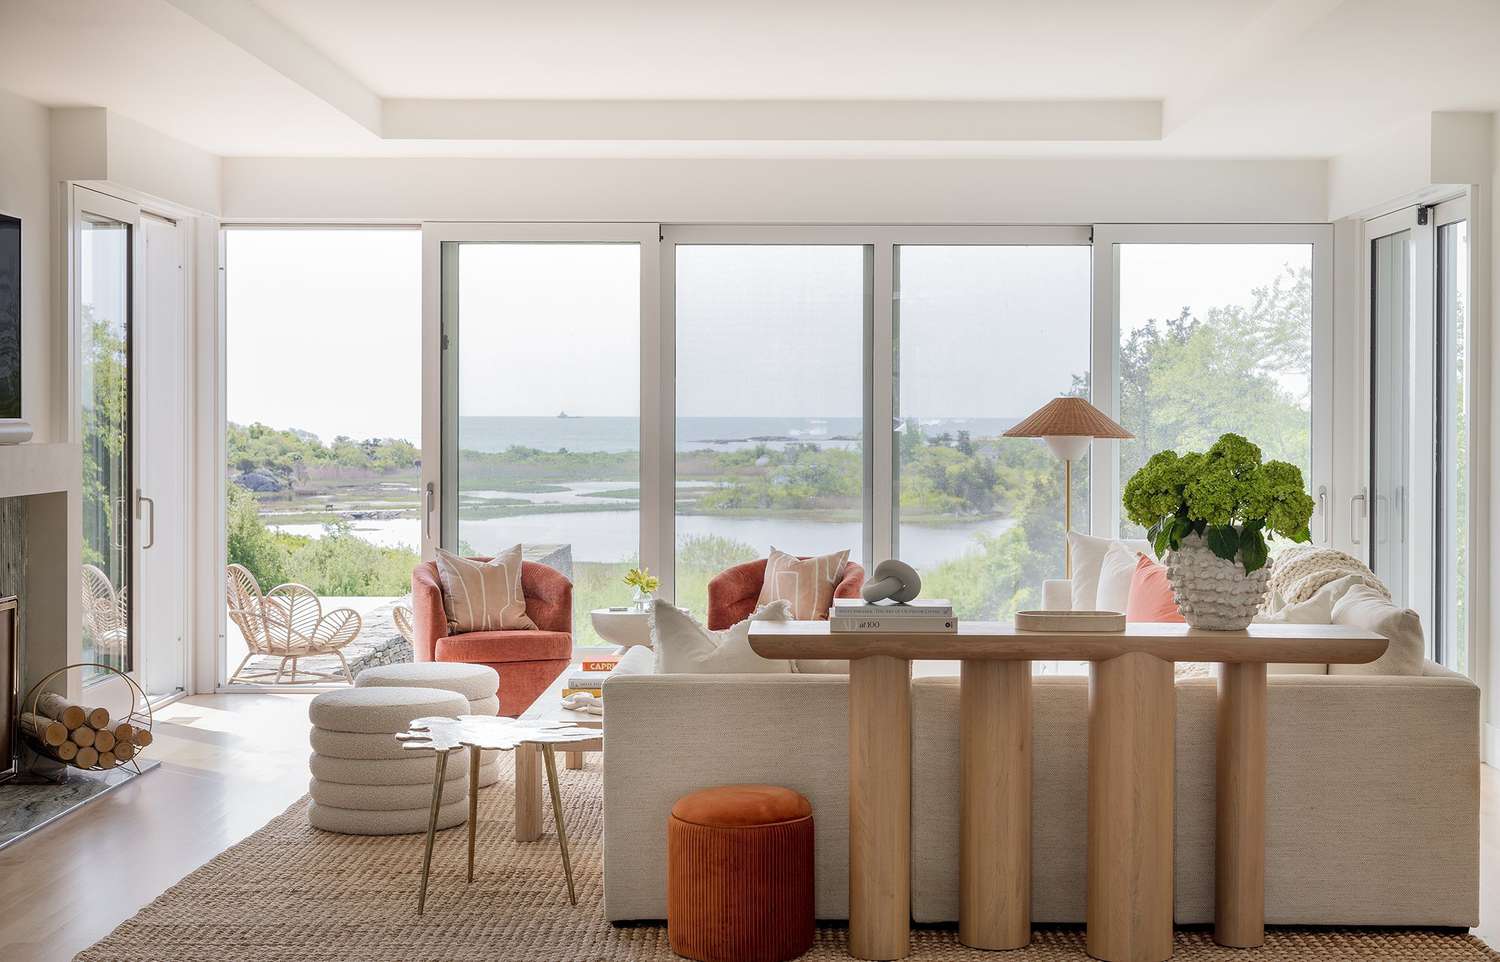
[{"x": 41, "y": 523}]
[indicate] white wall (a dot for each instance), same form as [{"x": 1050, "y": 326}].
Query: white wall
[
  {"x": 25, "y": 192},
  {"x": 156, "y": 165},
  {"x": 1029, "y": 190}
]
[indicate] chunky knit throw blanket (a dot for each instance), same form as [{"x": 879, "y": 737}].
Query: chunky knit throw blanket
[{"x": 1301, "y": 570}]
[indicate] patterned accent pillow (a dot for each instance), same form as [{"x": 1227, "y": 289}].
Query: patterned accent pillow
[
  {"x": 483, "y": 595},
  {"x": 807, "y": 584}
]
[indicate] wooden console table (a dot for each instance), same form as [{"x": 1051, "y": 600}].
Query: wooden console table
[{"x": 1132, "y": 722}]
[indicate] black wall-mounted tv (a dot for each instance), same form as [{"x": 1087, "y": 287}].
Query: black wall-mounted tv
[{"x": 10, "y": 316}]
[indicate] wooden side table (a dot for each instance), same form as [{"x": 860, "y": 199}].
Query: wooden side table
[{"x": 1132, "y": 722}]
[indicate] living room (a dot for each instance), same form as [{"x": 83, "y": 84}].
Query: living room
[{"x": 1019, "y": 475}]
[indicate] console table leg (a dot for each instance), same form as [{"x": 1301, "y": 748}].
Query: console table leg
[
  {"x": 1132, "y": 720},
  {"x": 879, "y": 807},
  {"x": 1240, "y": 853},
  {"x": 995, "y": 847}
]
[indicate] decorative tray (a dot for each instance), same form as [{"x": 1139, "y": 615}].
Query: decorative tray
[{"x": 1070, "y": 621}]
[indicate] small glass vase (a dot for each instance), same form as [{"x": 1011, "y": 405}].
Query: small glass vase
[{"x": 641, "y": 600}]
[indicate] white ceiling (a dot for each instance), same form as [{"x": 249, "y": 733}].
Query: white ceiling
[{"x": 1295, "y": 78}]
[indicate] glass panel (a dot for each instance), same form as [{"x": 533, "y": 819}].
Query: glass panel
[
  {"x": 770, "y": 400},
  {"x": 1215, "y": 338},
  {"x": 104, "y": 397},
  {"x": 1391, "y": 292},
  {"x": 1453, "y": 465},
  {"x": 323, "y": 397},
  {"x": 548, "y": 421},
  {"x": 985, "y": 336}
]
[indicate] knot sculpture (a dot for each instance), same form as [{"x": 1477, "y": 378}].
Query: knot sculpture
[{"x": 893, "y": 580}]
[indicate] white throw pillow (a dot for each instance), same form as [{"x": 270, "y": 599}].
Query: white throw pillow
[
  {"x": 1088, "y": 559},
  {"x": 1115, "y": 575},
  {"x": 638, "y": 660},
  {"x": 1364, "y": 607},
  {"x": 684, "y": 647}
]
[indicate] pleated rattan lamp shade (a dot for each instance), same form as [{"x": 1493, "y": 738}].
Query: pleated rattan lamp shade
[
  {"x": 1068, "y": 424},
  {"x": 1068, "y": 417}
]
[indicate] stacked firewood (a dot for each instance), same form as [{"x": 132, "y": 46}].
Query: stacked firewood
[{"x": 82, "y": 737}]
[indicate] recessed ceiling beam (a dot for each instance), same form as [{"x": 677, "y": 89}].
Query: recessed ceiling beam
[
  {"x": 269, "y": 40},
  {"x": 774, "y": 120}
]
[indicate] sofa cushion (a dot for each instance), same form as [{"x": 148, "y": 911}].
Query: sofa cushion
[
  {"x": 483, "y": 595},
  {"x": 1364, "y": 607},
  {"x": 683, "y": 646},
  {"x": 498, "y": 647},
  {"x": 807, "y": 584},
  {"x": 1088, "y": 558}
]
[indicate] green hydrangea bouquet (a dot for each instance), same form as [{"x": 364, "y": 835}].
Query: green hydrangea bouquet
[{"x": 1226, "y": 495}]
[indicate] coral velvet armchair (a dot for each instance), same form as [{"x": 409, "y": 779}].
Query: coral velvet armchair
[
  {"x": 527, "y": 661},
  {"x": 733, "y": 592}
]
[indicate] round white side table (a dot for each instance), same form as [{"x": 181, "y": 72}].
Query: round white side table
[{"x": 625, "y": 627}]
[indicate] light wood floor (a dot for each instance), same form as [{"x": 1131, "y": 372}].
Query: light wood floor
[{"x": 229, "y": 764}]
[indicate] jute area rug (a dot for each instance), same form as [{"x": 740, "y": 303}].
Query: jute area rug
[{"x": 289, "y": 892}]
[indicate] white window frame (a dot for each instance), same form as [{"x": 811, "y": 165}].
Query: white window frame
[
  {"x": 881, "y": 503},
  {"x": 435, "y": 277},
  {"x": 1104, "y": 464}
]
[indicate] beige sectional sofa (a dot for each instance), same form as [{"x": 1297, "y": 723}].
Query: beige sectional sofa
[{"x": 1372, "y": 802}]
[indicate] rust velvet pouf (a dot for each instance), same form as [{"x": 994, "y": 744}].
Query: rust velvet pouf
[{"x": 740, "y": 874}]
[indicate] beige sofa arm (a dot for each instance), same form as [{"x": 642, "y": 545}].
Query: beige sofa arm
[{"x": 668, "y": 735}]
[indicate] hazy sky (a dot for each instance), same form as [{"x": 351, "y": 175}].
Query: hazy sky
[{"x": 325, "y": 325}]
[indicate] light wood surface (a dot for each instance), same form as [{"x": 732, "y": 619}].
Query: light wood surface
[
  {"x": 1306, "y": 644},
  {"x": 1240, "y": 803},
  {"x": 528, "y": 793},
  {"x": 1132, "y": 720},
  {"x": 880, "y": 808},
  {"x": 548, "y": 707},
  {"x": 995, "y": 804}
]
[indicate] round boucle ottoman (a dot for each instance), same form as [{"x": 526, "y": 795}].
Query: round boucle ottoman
[
  {"x": 381, "y": 711},
  {"x": 474, "y": 682},
  {"x": 364, "y": 782},
  {"x": 477, "y": 683}
]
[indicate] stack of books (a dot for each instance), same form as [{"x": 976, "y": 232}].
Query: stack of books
[
  {"x": 585, "y": 681},
  {"x": 922, "y": 615}
]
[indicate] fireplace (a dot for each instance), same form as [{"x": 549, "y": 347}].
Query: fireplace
[{"x": 41, "y": 526}]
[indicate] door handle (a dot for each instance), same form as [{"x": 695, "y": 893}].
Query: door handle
[
  {"x": 427, "y": 511},
  {"x": 1323, "y": 510},
  {"x": 1363, "y": 500},
  {"x": 141, "y": 499}
]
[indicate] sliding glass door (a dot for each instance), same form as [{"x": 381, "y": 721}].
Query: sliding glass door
[
  {"x": 1420, "y": 403},
  {"x": 770, "y": 395},
  {"x": 104, "y": 278},
  {"x": 128, "y": 311},
  {"x": 985, "y": 334},
  {"x": 1393, "y": 418},
  {"x": 1454, "y": 387},
  {"x": 688, "y": 397},
  {"x": 541, "y": 416}
]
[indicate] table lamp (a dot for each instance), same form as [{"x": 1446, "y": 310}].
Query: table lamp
[{"x": 1068, "y": 424}]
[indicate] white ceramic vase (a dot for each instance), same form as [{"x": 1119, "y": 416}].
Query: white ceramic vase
[{"x": 1212, "y": 592}]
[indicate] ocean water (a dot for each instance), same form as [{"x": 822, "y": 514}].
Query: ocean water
[{"x": 615, "y": 434}]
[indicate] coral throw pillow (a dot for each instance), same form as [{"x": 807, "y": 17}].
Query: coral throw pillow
[
  {"x": 806, "y": 584},
  {"x": 483, "y": 595},
  {"x": 1151, "y": 594}
]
